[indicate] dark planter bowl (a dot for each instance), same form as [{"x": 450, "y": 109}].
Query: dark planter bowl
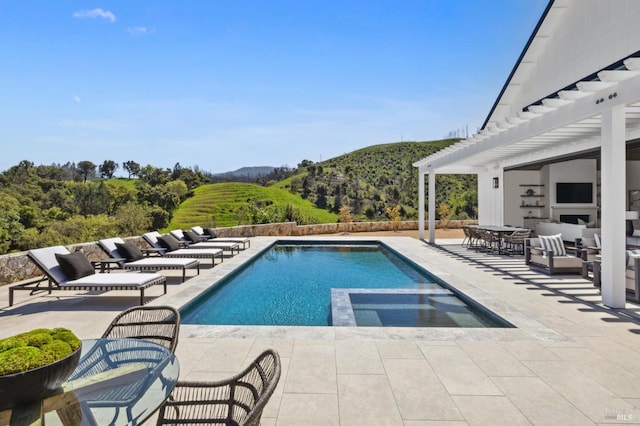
[{"x": 33, "y": 385}]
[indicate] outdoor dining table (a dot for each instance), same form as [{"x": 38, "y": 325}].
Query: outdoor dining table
[
  {"x": 499, "y": 230},
  {"x": 116, "y": 382}
]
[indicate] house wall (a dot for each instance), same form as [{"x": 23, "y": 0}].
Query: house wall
[
  {"x": 490, "y": 200},
  {"x": 566, "y": 171},
  {"x": 587, "y": 36},
  {"x": 514, "y": 181}
]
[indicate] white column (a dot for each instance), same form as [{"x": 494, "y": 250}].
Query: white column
[
  {"x": 432, "y": 207},
  {"x": 420, "y": 203},
  {"x": 613, "y": 180},
  {"x": 500, "y": 197},
  {"x": 486, "y": 199}
]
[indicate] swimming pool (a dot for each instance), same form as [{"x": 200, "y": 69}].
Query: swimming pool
[{"x": 291, "y": 283}]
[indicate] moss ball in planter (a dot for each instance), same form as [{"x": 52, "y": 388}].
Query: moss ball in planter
[{"x": 34, "y": 364}]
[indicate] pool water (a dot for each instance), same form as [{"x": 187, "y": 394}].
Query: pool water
[
  {"x": 437, "y": 309},
  {"x": 290, "y": 284}
]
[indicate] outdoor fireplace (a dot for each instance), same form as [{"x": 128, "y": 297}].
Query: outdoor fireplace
[{"x": 573, "y": 218}]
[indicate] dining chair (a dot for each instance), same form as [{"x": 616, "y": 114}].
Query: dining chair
[
  {"x": 158, "y": 324},
  {"x": 514, "y": 242},
  {"x": 238, "y": 400}
]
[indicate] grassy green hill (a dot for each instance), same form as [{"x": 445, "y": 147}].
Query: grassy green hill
[
  {"x": 218, "y": 205},
  {"x": 369, "y": 181},
  {"x": 378, "y": 177}
]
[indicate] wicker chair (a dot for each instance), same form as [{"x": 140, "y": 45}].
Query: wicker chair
[
  {"x": 514, "y": 242},
  {"x": 158, "y": 324},
  {"x": 238, "y": 400}
]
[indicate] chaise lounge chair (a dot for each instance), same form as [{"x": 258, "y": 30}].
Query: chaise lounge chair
[
  {"x": 133, "y": 258},
  {"x": 182, "y": 238},
  {"x": 58, "y": 269},
  {"x": 153, "y": 239},
  {"x": 208, "y": 235}
]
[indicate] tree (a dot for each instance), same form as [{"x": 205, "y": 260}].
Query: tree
[
  {"x": 394, "y": 215},
  {"x": 91, "y": 198},
  {"x": 11, "y": 228},
  {"x": 133, "y": 219},
  {"x": 107, "y": 169},
  {"x": 345, "y": 217},
  {"x": 132, "y": 168},
  {"x": 155, "y": 175},
  {"x": 445, "y": 214},
  {"x": 87, "y": 170},
  {"x": 175, "y": 174},
  {"x": 20, "y": 174}
]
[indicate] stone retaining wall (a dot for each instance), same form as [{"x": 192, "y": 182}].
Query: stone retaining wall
[{"x": 17, "y": 267}]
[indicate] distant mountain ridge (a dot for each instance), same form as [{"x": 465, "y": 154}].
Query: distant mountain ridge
[{"x": 251, "y": 172}]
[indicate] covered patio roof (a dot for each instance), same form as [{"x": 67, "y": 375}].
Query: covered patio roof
[
  {"x": 566, "y": 122},
  {"x": 574, "y": 89}
]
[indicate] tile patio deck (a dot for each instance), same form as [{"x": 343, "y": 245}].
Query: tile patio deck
[{"x": 569, "y": 361}]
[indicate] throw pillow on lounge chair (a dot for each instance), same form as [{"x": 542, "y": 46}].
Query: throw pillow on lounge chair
[
  {"x": 129, "y": 251},
  {"x": 193, "y": 237},
  {"x": 553, "y": 243},
  {"x": 168, "y": 242},
  {"x": 75, "y": 265},
  {"x": 210, "y": 232}
]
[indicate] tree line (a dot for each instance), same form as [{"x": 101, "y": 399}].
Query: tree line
[{"x": 55, "y": 204}]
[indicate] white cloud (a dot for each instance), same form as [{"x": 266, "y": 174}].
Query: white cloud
[
  {"x": 95, "y": 13},
  {"x": 139, "y": 31}
]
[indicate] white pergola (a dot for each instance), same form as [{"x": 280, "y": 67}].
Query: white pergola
[{"x": 601, "y": 111}]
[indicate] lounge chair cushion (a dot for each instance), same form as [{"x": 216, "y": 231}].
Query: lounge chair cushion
[
  {"x": 553, "y": 243},
  {"x": 193, "y": 237},
  {"x": 129, "y": 251},
  {"x": 75, "y": 265},
  {"x": 168, "y": 242}
]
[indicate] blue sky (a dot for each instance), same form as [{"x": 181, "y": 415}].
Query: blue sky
[{"x": 223, "y": 84}]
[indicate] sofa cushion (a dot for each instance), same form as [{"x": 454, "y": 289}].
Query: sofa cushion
[
  {"x": 75, "y": 265},
  {"x": 553, "y": 243},
  {"x": 629, "y": 255},
  {"x": 129, "y": 251},
  {"x": 596, "y": 237},
  {"x": 587, "y": 224}
]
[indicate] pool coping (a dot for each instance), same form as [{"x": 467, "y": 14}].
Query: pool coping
[{"x": 458, "y": 277}]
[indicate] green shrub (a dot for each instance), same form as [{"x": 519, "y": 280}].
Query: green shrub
[{"x": 35, "y": 348}]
